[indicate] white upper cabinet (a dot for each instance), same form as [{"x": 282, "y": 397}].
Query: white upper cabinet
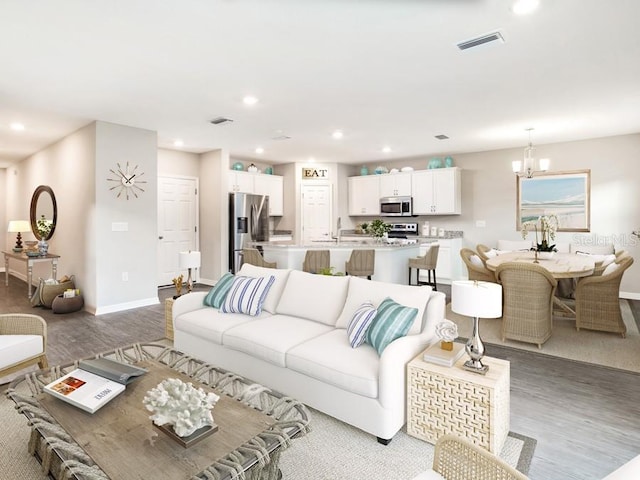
[
  {"x": 395, "y": 184},
  {"x": 261, "y": 184},
  {"x": 364, "y": 195},
  {"x": 437, "y": 191}
]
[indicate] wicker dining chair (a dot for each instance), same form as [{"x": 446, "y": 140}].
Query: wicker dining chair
[
  {"x": 361, "y": 263},
  {"x": 598, "y": 299},
  {"x": 316, "y": 260},
  {"x": 253, "y": 256},
  {"x": 476, "y": 269},
  {"x": 482, "y": 251},
  {"x": 457, "y": 458},
  {"x": 426, "y": 262},
  {"x": 527, "y": 292},
  {"x": 20, "y": 325}
]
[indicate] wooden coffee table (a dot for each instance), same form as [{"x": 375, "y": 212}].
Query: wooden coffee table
[{"x": 119, "y": 441}]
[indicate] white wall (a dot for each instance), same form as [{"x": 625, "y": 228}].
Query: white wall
[{"x": 175, "y": 163}]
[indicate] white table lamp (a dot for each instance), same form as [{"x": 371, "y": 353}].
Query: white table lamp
[
  {"x": 19, "y": 226},
  {"x": 189, "y": 260},
  {"x": 477, "y": 300}
]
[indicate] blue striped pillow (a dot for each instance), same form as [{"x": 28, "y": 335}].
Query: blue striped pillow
[
  {"x": 217, "y": 294},
  {"x": 391, "y": 322},
  {"x": 247, "y": 295},
  {"x": 359, "y": 323}
]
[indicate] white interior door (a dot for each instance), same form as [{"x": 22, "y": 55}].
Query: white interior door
[
  {"x": 177, "y": 224},
  {"x": 316, "y": 213}
]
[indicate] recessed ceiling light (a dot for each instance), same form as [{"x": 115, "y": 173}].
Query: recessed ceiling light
[
  {"x": 386, "y": 149},
  {"x": 337, "y": 134},
  {"x": 259, "y": 150},
  {"x": 523, "y": 7},
  {"x": 178, "y": 143},
  {"x": 249, "y": 100},
  {"x": 18, "y": 127}
]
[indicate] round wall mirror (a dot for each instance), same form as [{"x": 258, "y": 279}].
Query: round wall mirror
[{"x": 44, "y": 212}]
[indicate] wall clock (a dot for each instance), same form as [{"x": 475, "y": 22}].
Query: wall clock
[{"x": 127, "y": 181}]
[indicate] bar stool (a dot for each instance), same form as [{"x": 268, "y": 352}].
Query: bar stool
[
  {"x": 316, "y": 260},
  {"x": 252, "y": 256},
  {"x": 361, "y": 263},
  {"x": 427, "y": 262}
]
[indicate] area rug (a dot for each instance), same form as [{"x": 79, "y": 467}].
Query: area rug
[
  {"x": 601, "y": 348},
  {"x": 333, "y": 450}
]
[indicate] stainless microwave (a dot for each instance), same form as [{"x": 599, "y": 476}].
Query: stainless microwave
[{"x": 396, "y": 207}]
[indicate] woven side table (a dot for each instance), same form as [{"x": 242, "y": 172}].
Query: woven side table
[
  {"x": 452, "y": 400},
  {"x": 168, "y": 320}
]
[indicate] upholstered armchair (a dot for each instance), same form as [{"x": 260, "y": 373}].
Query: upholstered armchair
[
  {"x": 476, "y": 267},
  {"x": 456, "y": 458},
  {"x": 527, "y": 292},
  {"x": 598, "y": 299},
  {"x": 361, "y": 263},
  {"x": 427, "y": 262},
  {"x": 23, "y": 342},
  {"x": 252, "y": 256}
]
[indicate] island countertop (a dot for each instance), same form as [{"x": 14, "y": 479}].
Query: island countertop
[{"x": 391, "y": 260}]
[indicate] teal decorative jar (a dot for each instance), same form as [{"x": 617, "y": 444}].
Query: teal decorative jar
[
  {"x": 448, "y": 162},
  {"x": 268, "y": 170},
  {"x": 364, "y": 170},
  {"x": 238, "y": 166}
]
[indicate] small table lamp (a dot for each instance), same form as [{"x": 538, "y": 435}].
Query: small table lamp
[
  {"x": 18, "y": 226},
  {"x": 189, "y": 260},
  {"x": 478, "y": 300}
]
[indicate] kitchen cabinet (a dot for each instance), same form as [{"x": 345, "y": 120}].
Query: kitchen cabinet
[
  {"x": 364, "y": 195},
  {"x": 437, "y": 191},
  {"x": 261, "y": 184},
  {"x": 395, "y": 184}
]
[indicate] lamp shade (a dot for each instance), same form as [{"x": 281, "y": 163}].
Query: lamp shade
[
  {"x": 476, "y": 299},
  {"x": 189, "y": 259},
  {"x": 18, "y": 226}
]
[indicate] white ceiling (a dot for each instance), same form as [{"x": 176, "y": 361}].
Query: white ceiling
[{"x": 385, "y": 72}]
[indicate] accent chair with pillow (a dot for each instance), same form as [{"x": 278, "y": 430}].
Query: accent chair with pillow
[
  {"x": 598, "y": 299},
  {"x": 476, "y": 267},
  {"x": 23, "y": 342}
]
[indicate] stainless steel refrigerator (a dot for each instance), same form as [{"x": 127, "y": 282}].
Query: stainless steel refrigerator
[{"x": 248, "y": 222}]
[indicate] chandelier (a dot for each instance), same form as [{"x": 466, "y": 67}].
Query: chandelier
[{"x": 527, "y": 166}]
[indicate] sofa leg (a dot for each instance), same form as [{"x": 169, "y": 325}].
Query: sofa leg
[{"x": 384, "y": 441}]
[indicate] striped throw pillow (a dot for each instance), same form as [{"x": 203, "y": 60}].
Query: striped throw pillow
[
  {"x": 217, "y": 294},
  {"x": 247, "y": 295},
  {"x": 391, "y": 322},
  {"x": 359, "y": 323}
]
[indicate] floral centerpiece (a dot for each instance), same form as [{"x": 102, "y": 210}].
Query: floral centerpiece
[
  {"x": 43, "y": 226},
  {"x": 548, "y": 226}
]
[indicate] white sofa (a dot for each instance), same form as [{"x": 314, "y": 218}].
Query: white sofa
[{"x": 299, "y": 345}]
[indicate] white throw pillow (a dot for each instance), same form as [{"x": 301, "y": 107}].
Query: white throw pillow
[
  {"x": 491, "y": 253},
  {"x": 247, "y": 295},
  {"x": 610, "y": 268},
  {"x": 477, "y": 261},
  {"x": 280, "y": 275},
  {"x": 357, "y": 328},
  {"x": 592, "y": 249}
]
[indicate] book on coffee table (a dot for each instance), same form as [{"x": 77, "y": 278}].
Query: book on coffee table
[
  {"x": 439, "y": 356},
  {"x": 85, "y": 390},
  {"x": 116, "y": 371}
]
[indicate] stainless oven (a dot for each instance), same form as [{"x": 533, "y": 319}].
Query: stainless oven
[{"x": 396, "y": 207}]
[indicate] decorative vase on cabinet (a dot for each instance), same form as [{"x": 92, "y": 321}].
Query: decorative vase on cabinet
[
  {"x": 43, "y": 247},
  {"x": 364, "y": 170}
]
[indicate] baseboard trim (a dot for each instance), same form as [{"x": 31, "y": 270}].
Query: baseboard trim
[
  {"x": 630, "y": 295},
  {"x": 145, "y": 302}
]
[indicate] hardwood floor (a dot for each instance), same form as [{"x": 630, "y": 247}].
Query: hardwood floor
[{"x": 586, "y": 418}]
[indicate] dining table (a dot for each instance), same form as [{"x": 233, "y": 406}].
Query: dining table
[{"x": 560, "y": 265}]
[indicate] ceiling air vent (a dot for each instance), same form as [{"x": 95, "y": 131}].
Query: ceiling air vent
[
  {"x": 281, "y": 137},
  {"x": 476, "y": 42},
  {"x": 221, "y": 120},
  {"x": 442, "y": 137}
]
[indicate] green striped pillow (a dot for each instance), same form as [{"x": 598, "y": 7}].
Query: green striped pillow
[
  {"x": 217, "y": 294},
  {"x": 392, "y": 321}
]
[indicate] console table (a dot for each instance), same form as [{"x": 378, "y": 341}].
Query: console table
[{"x": 30, "y": 261}]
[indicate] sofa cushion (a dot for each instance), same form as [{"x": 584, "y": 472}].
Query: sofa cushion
[
  {"x": 271, "y": 338},
  {"x": 391, "y": 322},
  {"x": 211, "y": 324},
  {"x": 280, "y": 279},
  {"x": 247, "y": 295},
  {"x": 330, "y": 359},
  {"x": 16, "y": 348},
  {"x": 315, "y": 297},
  {"x": 217, "y": 294},
  {"x": 362, "y": 290},
  {"x": 357, "y": 328}
]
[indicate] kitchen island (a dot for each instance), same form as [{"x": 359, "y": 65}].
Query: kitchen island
[{"x": 391, "y": 264}]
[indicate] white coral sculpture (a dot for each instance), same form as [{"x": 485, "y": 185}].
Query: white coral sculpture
[
  {"x": 181, "y": 405},
  {"x": 447, "y": 331}
]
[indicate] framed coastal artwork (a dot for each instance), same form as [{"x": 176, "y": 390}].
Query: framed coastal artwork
[{"x": 565, "y": 194}]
